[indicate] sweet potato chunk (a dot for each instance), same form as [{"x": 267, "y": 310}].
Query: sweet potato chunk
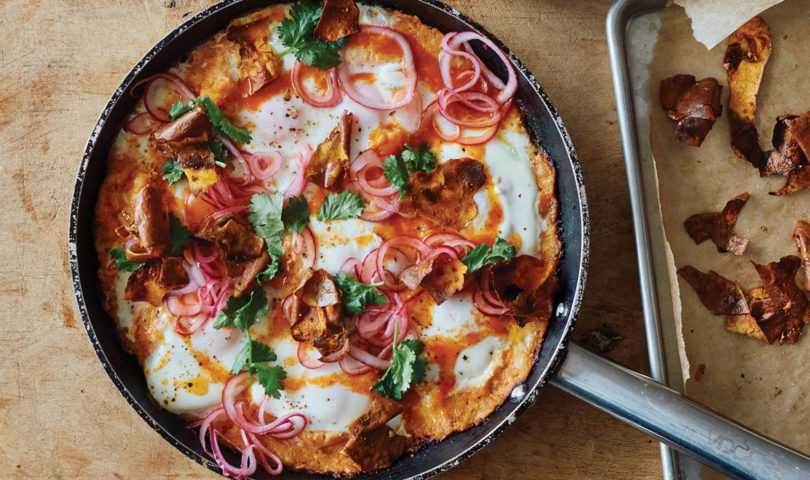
[
  {"x": 801, "y": 234},
  {"x": 718, "y": 294},
  {"x": 373, "y": 444},
  {"x": 441, "y": 277},
  {"x": 258, "y": 65},
  {"x": 719, "y": 226},
  {"x": 791, "y": 141},
  {"x": 185, "y": 141},
  {"x": 522, "y": 287},
  {"x": 154, "y": 279},
  {"x": 445, "y": 195},
  {"x": 330, "y": 161},
  {"x": 318, "y": 317},
  {"x": 695, "y": 105},
  {"x": 746, "y": 56},
  {"x": 150, "y": 222},
  {"x": 241, "y": 250},
  {"x": 339, "y": 18},
  {"x": 798, "y": 179}
]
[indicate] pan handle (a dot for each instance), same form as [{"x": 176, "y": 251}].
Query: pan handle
[{"x": 674, "y": 419}]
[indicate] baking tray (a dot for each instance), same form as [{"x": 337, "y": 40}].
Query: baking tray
[{"x": 632, "y": 27}]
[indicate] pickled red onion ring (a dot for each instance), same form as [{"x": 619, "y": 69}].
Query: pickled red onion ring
[
  {"x": 510, "y": 87},
  {"x": 304, "y": 358},
  {"x": 299, "y": 182},
  {"x": 332, "y": 96},
  {"x": 408, "y": 68},
  {"x": 142, "y": 123},
  {"x": 264, "y": 165}
]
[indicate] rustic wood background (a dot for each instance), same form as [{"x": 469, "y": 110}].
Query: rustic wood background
[{"x": 61, "y": 417}]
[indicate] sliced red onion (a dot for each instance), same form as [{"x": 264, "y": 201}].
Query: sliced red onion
[
  {"x": 158, "y": 83},
  {"x": 142, "y": 123},
  {"x": 299, "y": 182},
  {"x": 509, "y": 89},
  {"x": 353, "y": 367},
  {"x": 366, "y": 358},
  {"x": 450, "y": 239},
  {"x": 409, "y": 117},
  {"x": 264, "y": 165},
  {"x": 330, "y": 98},
  {"x": 304, "y": 358},
  {"x": 408, "y": 67}
]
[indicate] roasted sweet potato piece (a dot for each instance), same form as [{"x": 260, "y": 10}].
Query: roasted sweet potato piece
[
  {"x": 257, "y": 63},
  {"x": 339, "y": 18},
  {"x": 745, "y": 325},
  {"x": 154, "y": 279},
  {"x": 452, "y": 183},
  {"x": 241, "y": 249},
  {"x": 746, "y": 56},
  {"x": 330, "y": 161},
  {"x": 719, "y": 226},
  {"x": 150, "y": 221},
  {"x": 441, "y": 277},
  {"x": 782, "y": 311},
  {"x": 185, "y": 141},
  {"x": 695, "y": 105},
  {"x": 522, "y": 287},
  {"x": 801, "y": 234},
  {"x": 373, "y": 444},
  {"x": 318, "y": 317},
  {"x": 718, "y": 294}
]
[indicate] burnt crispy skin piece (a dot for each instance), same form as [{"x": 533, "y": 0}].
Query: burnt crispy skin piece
[
  {"x": 783, "y": 311},
  {"x": 796, "y": 180},
  {"x": 150, "y": 222},
  {"x": 801, "y": 234},
  {"x": 445, "y": 195},
  {"x": 441, "y": 277},
  {"x": 746, "y": 56},
  {"x": 257, "y": 63},
  {"x": 154, "y": 279},
  {"x": 240, "y": 248},
  {"x": 787, "y": 154},
  {"x": 330, "y": 161},
  {"x": 719, "y": 226},
  {"x": 695, "y": 105},
  {"x": 319, "y": 319},
  {"x": 522, "y": 287},
  {"x": 373, "y": 444},
  {"x": 718, "y": 294},
  {"x": 339, "y": 18}
]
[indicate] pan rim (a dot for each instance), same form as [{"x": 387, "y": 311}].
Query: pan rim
[{"x": 566, "y": 315}]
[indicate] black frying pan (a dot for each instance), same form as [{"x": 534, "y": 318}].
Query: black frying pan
[{"x": 634, "y": 398}]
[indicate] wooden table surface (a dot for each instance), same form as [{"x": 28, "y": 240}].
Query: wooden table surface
[{"x": 61, "y": 417}]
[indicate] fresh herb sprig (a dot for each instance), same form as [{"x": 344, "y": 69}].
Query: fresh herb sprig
[
  {"x": 357, "y": 295},
  {"x": 484, "y": 255},
  {"x": 243, "y": 313},
  {"x": 179, "y": 234},
  {"x": 419, "y": 159},
  {"x": 407, "y": 368},
  {"x": 219, "y": 122},
  {"x": 297, "y": 35},
  {"x": 341, "y": 206},
  {"x": 172, "y": 172},
  {"x": 119, "y": 255}
]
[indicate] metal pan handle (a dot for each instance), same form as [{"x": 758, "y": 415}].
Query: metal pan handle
[{"x": 674, "y": 419}]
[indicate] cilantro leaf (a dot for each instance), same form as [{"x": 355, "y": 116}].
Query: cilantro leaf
[
  {"x": 180, "y": 235},
  {"x": 340, "y": 206},
  {"x": 396, "y": 172},
  {"x": 243, "y": 312},
  {"x": 172, "y": 172},
  {"x": 270, "y": 377},
  {"x": 179, "y": 109},
  {"x": 220, "y": 123},
  {"x": 483, "y": 255},
  {"x": 269, "y": 271},
  {"x": 419, "y": 159},
  {"x": 407, "y": 367},
  {"x": 253, "y": 352},
  {"x": 219, "y": 151},
  {"x": 265, "y": 215},
  {"x": 356, "y": 295},
  {"x": 296, "y": 34},
  {"x": 296, "y": 214},
  {"x": 121, "y": 262}
]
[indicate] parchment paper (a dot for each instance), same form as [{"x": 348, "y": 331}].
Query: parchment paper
[
  {"x": 763, "y": 386},
  {"x": 714, "y": 20}
]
